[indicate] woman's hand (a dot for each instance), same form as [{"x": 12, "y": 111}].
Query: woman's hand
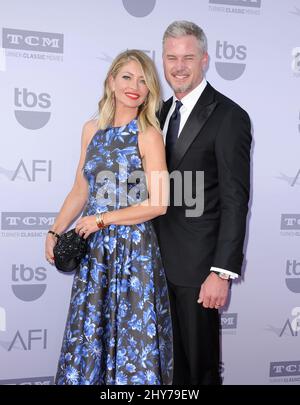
[
  {"x": 86, "y": 225},
  {"x": 49, "y": 246}
]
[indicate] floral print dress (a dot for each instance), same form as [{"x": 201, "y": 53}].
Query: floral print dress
[{"x": 118, "y": 329}]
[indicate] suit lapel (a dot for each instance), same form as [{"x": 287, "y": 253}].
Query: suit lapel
[
  {"x": 164, "y": 112},
  {"x": 197, "y": 119}
]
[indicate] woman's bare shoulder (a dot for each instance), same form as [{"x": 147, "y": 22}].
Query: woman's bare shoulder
[
  {"x": 150, "y": 140},
  {"x": 89, "y": 129},
  {"x": 151, "y": 134},
  {"x": 90, "y": 126}
]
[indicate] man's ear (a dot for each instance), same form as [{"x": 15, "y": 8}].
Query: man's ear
[{"x": 205, "y": 61}]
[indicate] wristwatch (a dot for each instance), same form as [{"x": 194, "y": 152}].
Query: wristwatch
[{"x": 223, "y": 276}]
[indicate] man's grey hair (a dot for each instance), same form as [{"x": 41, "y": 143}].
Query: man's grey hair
[{"x": 182, "y": 28}]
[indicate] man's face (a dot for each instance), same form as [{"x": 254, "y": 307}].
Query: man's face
[{"x": 184, "y": 64}]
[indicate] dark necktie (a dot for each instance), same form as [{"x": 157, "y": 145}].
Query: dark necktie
[{"x": 173, "y": 129}]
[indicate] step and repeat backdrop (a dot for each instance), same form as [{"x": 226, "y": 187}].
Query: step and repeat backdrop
[{"x": 53, "y": 59}]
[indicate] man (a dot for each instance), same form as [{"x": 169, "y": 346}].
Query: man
[{"x": 204, "y": 132}]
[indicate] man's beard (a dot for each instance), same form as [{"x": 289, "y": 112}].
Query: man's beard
[{"x": 183, "y": 88}]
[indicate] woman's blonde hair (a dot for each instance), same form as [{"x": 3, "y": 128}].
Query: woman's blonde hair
[{"x": 147, "y": 111}]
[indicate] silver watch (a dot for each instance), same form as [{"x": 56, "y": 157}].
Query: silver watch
[{"x": 223, "y": 276}]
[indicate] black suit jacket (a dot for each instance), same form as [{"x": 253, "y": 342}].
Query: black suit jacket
[{"x": 216, "y": 139}]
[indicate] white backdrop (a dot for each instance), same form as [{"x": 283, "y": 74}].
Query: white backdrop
[{"x": 53, "y": 59}]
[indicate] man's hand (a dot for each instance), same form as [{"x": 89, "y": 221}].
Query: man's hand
[{"x": 213, "y": 292}]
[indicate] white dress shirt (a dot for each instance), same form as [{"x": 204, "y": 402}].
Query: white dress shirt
[{"x": 188, "y": 103}]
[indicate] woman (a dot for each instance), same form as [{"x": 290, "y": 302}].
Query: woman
[{"x": 119, "y": 327}]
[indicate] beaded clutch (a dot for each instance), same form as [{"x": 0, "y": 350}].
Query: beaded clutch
[{"x": 69, "y": 250}]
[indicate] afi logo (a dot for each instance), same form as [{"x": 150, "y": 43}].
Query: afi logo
[
  {"x": 33, "y": 170},
  {"x": 292, "y": 327},
  {"x": 151, "y": 53},
  {"x": 27, "y": 342},
  {"x": 291, "y": 180},
  {"x": 296, "y": 321}
]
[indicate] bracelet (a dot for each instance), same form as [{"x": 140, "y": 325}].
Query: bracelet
[
  {"x": 55, "y": 234},
  {"x": 99, "y": 221}
]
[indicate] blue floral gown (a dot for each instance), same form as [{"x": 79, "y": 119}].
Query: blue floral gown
[{"x": 118, "y": 329}]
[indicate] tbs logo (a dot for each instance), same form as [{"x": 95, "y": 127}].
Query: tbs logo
[
  {"x": 230, "y": 60},
  {"x": 28, "y": 283},
  {"x": 31, "y": 108},
  {"x": 293, "y": 276}
]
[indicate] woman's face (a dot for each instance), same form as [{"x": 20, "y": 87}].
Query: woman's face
[{"x": 129, "y": 86}]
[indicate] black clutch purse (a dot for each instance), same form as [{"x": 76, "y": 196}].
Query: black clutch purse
[{"x": 69, "y": 250}]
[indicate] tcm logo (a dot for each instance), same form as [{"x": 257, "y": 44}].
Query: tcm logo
[
  {"x": 293, "y": 275},
  {"x": 27, "y": 284},
  {"x": 35, "y": 338},
  {"x": 242, "y": 3},
  {"x": 296, "y": 60},
  {"x": 290, "y": 222},
  {"x": 237, "y": 7},
  {"x": 27, "y": 220},
  {"x": 2, "y": 320},
  {"x": 285, "y": 369},
  {"x": 229, "y": 321},
  {"x": 31, "y": 108},
  {"x": 32, "y": 40},
  {"x": 230, "y": 60},
  {"x": 29, "y": 381}
]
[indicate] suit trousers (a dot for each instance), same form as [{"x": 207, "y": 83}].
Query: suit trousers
[{"x": 196, "y": 338}]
